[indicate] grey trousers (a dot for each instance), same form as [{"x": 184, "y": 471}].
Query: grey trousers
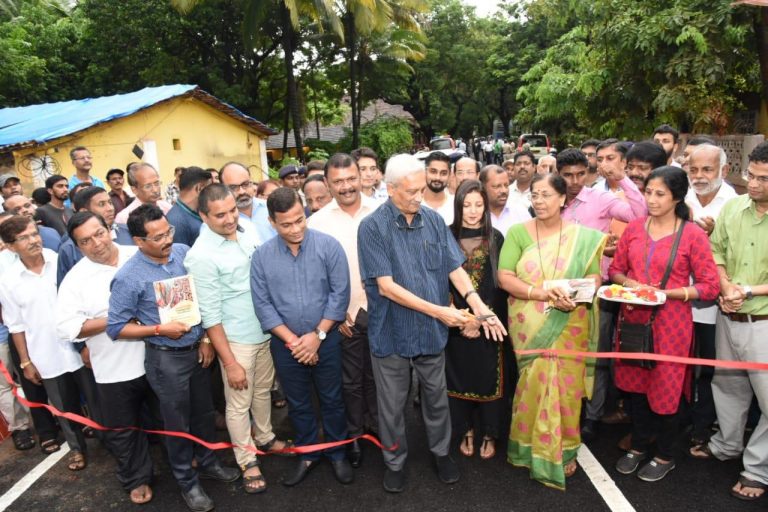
[
  {"x": 64, "y": 393},
  {"x": 733, "y": 391},
  {"x": 393, "y": 376}
]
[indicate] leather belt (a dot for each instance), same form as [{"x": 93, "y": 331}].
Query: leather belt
[
  {"x": 744, "y": 318},
  {"x": 165, "y": 348}
]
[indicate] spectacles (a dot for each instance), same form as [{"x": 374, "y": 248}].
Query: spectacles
[
  {"x": 151, "y": 186},
  {"x": 85, "y": 242},
  {"x": 748, "y": 176},
  {"x": 160, "y": 237},
  {"x": 244, "y": 185},
  {"x": 27, "y": 238}
]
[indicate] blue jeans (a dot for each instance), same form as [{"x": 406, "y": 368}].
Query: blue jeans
[{"x": 297, "y": 380}]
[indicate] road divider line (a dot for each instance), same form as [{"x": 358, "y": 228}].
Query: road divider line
[
  {"x": 604, "y": 484},
  {"x": 30, "y": 478}
]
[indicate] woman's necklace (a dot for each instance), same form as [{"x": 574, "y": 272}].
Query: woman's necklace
[{"x": 538, "y": 247}]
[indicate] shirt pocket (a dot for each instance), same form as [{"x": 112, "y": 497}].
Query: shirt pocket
[{"x": 434, "y": 255}]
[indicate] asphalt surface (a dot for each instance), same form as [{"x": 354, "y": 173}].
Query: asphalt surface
[{"x": 484, "y": 485}]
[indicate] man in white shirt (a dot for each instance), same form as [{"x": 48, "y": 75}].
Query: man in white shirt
[
  {"x": 436, "y": 196},
  {"x": 504, "y": 214},
  {"x": 340, "y": 219},
  {"x": 147, "y": 187},
  {"x": 520, "y": 189},
  {"x": 28, "y": 296},
  {"x": 118, "y": 365},
  {"x": 707, "y": 166}
]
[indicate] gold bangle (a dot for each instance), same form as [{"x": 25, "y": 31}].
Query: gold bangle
[
  {"x": 25, "y": 364},
  {"x": 530, "y": 289},
  {"x": 685, "y": 289}
]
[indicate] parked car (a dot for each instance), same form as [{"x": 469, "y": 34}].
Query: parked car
[
  {"x": 444, "y": 144},
  {"x": 537, "y": 142}
]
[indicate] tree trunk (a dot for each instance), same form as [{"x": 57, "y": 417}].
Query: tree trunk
[
  {"x": 289, "y": 37},
  {"x": 350, "y": 37}
]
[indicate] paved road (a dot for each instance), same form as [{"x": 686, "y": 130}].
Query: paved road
[{"x": 485, "y": 485}]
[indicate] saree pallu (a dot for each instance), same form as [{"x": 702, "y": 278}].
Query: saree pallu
[{"x": 545, "y": 434}]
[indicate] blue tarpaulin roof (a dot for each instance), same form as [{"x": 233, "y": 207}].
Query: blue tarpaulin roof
[{"x": 34, "y": 124}]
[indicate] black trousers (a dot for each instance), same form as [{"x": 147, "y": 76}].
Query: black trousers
[
  {"x": 646, "y": 424},
  {"x": 122, "y": 404},
  {"x": 488, "y": 414},
  {"x": 703, "y": 414},
  {"x": 359, "y": 388},
  {"x": 183, "y": 389},
  {"x": 64, "y": 392},
  {"x": 45, "y": 424}
]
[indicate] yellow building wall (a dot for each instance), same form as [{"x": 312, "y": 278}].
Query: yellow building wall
[{"x": 206, "y": 138}]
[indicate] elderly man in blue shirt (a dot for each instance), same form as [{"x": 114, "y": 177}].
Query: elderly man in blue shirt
[
  {"x": 176, "y": 360},
  {"x": 300, "y": 289},
  {"x": 408, "y": 256}
]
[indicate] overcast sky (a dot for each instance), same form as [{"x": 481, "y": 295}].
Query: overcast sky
[{"x": 483, "y": 7}]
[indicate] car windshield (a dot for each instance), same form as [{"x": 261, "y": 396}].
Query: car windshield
[
  {"x": 535, "y": 140},
  {"x": 440, "y": 144}
]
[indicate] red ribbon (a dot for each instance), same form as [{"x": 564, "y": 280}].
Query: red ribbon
[
  {"x": 731, "y": 365},
  {"x": 211, "y": 446}
]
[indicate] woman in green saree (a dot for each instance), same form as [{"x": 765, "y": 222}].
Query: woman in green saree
[{"x": 544, "y": 434}]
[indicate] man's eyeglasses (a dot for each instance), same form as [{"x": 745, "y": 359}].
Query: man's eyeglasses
[
  {"x": 244, "y": 185},
  {"x": 748, "y": 176},
  {"x": 160, "y": 237},
  {"x": 151, "y": 186},
  {"x": 85, "y": 242}
]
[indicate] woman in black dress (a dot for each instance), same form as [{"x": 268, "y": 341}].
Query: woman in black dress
[{"x": 474, "y": 364}]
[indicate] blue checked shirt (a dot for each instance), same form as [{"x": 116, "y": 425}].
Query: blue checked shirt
[{"x": 419, "y": 258}]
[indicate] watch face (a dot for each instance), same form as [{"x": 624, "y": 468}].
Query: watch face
[{"x": 321, "y": 335}]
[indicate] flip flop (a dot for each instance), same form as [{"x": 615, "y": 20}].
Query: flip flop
[
  {"x": 467, "y": 446},
  {"x": 49, "y": 446},
  {"x": 76, "y": 461},
  {"x": 488, "y": 441},
  {"x": 749, "y": 484}
]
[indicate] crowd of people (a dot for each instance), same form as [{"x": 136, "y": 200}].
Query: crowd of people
[{"x": 434, "y": 279}]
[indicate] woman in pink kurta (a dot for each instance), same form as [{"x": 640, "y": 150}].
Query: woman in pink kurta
[{"x": 640, "y": 261}]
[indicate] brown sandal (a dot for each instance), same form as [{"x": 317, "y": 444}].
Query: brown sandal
[
  {"x": 76, "y": 461},
  {"x": 748, "y": 483},
  {"x": 467, "y": 446},
  {"x": 253, "y": 484},
  {"x": 141, "y": 494},
  {"x": 701, "y": 452}
]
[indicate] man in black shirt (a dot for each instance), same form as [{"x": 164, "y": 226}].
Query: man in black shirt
[{"x": 54, "y": 214}]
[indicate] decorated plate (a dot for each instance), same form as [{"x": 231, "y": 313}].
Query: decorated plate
[{"x": 639, "y": 296}]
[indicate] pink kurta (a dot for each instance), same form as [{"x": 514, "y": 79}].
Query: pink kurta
[{"x": 673, "y": 326}]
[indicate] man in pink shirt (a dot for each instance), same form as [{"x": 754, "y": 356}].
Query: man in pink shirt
[{"x": 596, "y": 208}]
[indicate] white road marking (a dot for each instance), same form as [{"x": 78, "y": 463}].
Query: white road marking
[
  {"x": 604, "y": 484},
  {"x": 30, "y": 478}
]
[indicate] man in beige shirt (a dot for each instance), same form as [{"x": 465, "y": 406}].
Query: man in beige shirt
[{"x": 340, "y": 219}]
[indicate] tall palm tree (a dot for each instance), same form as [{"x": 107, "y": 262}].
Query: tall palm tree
[{"x": 289, "y": 13}]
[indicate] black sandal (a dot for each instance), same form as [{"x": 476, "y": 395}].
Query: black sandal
[
  {"x": 271, "y": 445},
  {"x": 23, "y": 440},
  {"x": 49, "y": 446},
  {"x": 250, "y": 480},
  {"x": 752, "y": 484}
]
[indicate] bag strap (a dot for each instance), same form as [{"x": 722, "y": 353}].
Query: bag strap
[{"x": 668, "y": 270}]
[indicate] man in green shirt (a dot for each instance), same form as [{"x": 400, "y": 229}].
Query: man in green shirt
[
  {"x": 740, "y": 248},
  {"x": 223, "y": 289}
]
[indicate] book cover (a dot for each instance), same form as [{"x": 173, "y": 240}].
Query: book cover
[
  {"x": 176, "y": 300},
  {"x": 580, "y": 290}
]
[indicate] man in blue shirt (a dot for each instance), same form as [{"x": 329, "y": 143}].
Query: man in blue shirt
[
  {"x": 183, "y": 215},
  {"x": 237, "y": 177},
  {"x": 300, "y": 290},
  {"x": 408, "y": 256},
  {"x": 174, "y": 352}
]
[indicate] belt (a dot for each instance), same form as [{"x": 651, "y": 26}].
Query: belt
[
  {"x": 744, "y": 318},
  {"x": 165, "y": 348}
]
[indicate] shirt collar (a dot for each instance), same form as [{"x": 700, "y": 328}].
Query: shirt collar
[
  {"x": 283, "y": 247},
  {"x": 171, "y": 258},
  {"x": 400, "y": 222},
  {"x": 188, "y": 210}
]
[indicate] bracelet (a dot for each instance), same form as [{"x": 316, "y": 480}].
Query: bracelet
[
  {"x": 25, "y": 364},
  {"x": 206, "y": 340},
  {"x": 470, "y": 292},
  {"x": 530, "y": 290},
  {"x": 157, "y": 330},
  {"x": 685, "y": 289}
]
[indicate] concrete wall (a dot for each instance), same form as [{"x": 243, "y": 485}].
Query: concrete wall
[{"x": 204, "y": 137}]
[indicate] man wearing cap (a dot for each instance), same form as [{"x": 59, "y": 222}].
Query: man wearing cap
[
  {"x": 9, "y": 186},
  {"x": 290, "y": 176}
]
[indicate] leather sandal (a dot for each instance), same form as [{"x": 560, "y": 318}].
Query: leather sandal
[
  {"x": 701, "y": 452},
  {"x": 268, "y": 447},
  {"x": 253, "y": 484},
  {"x": 467, "y": 446},
  {"x": 748, "y": 483},
  {"x": 49, "y": 446},
  {"x": 76, "y": 461},
  {"x": 488, "y": 448}
]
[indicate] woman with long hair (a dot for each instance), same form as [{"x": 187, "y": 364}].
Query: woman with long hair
[
  {"x": 544, "y": 435},
  {"x": 473, "y": 362},
  {"x": 641, "y": 259}
]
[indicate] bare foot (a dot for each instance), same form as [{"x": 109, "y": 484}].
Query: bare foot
[
  {"x": 141, "y": 495},
  {"x": 570, "y": 468}
]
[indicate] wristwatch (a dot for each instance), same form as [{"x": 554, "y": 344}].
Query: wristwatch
[
  {"x": 748, "y": 292},
  {"x": 321, "y": 334}
]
